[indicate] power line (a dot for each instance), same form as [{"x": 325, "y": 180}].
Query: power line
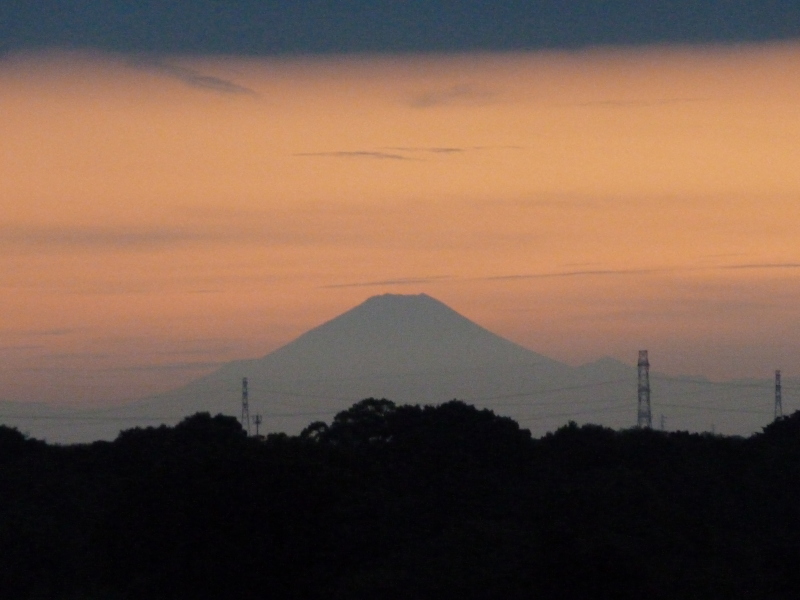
[
  {"x": 81, "y": 418},
  {"x": 715, "y": 409},
  {"x": 574, "y": 413},
  {"x": 152, "y": 419},
  {"x": 536, "y": 400},
  {"x": 733, "y": 384},
  {"x": 547, "y": 391}
]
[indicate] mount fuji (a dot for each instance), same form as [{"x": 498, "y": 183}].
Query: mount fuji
[{"x": 409, "y": 349}]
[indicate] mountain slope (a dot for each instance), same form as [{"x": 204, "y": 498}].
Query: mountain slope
[{"x": 393, "y": 334}]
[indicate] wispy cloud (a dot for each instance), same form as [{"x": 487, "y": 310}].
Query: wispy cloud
[
  {"x": 635, "y": 103},
  {"x": 403, "y": 152},
  {"x": 53, "y": 332},
  {"x": 644, "y": 271},
  {"x": 562, "y": 274},
  {"x": 788, "y": 265},
  {"x": 357, "y": 154},
  {"x": 175, "y": 366},
  {"x": 456, "y": 94},
  {"x": 302, "y": 226},
  {"x": 86, "y": 237},
  {"x": 75, "y": 355},
  {"x": 22, "y": 348},
  {"x": 432, "y": 150},
  {"x": 400, "y": 281},
  {"x": 190, "y": 77},
  {"x": 580, "y": 273}
]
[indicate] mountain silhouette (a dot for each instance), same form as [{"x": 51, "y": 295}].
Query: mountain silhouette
[
  {"x": 408, "y": 348},
  {"x": 413, "y": 349},
  {"x": 394, "y": 334}
]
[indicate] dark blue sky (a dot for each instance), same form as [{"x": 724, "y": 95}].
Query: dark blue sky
[{"x": 324, "y": 26}]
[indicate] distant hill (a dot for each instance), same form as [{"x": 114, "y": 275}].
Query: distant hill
[{"x": 415, "y": 349}]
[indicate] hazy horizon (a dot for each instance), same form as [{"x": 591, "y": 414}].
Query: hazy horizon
[{"x": 413, "y": 349}]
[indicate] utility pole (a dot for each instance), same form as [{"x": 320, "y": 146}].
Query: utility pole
[
  {"x": 778, "y": 399},
  {"x": 245, "y": 407},
  {"x": 257, "y": 421},
  {"x": 663, "y": 422},
  {"x": 644, "y": 416}
]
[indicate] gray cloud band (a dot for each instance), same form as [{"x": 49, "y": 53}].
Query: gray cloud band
[{"x": 190, "y": 77}]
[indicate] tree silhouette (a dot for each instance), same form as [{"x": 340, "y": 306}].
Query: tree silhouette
[{"x": 402, "y": 501}]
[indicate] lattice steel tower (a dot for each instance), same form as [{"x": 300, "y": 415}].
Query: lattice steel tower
[
  {"x": 778, "y": 400},
  {"x": 245, "y": 407},
  {"x": 645, "y": 417}
]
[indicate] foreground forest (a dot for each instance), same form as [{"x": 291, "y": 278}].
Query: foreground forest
[{"x": 402, "y": 502}]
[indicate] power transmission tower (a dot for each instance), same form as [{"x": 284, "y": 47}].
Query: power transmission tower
[
  {"x": 778, "y": 400},
  {"x": 245, "y": 407},
  {"x": 644, "y": 417},
  {"x": 257, "y": 421}
]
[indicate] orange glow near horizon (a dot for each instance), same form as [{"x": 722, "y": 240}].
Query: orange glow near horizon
[{"x": 159, "y": 217}]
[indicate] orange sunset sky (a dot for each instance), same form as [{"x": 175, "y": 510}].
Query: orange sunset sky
[{"x": 160, "y": 216}]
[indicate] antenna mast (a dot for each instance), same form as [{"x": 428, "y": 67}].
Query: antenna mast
[
  {"x": 644, "y": 417},
  {"x": 245, "y": 407},
  {"x": 778, "y": 400}
]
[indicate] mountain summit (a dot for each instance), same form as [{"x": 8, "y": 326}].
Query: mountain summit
[{"x": 394, "y": 334}]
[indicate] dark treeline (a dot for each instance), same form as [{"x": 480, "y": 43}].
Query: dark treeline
[{"x": 402, "y": 502}]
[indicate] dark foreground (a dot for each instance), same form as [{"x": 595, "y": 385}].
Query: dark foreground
[{"x": 402, "y": 502}]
